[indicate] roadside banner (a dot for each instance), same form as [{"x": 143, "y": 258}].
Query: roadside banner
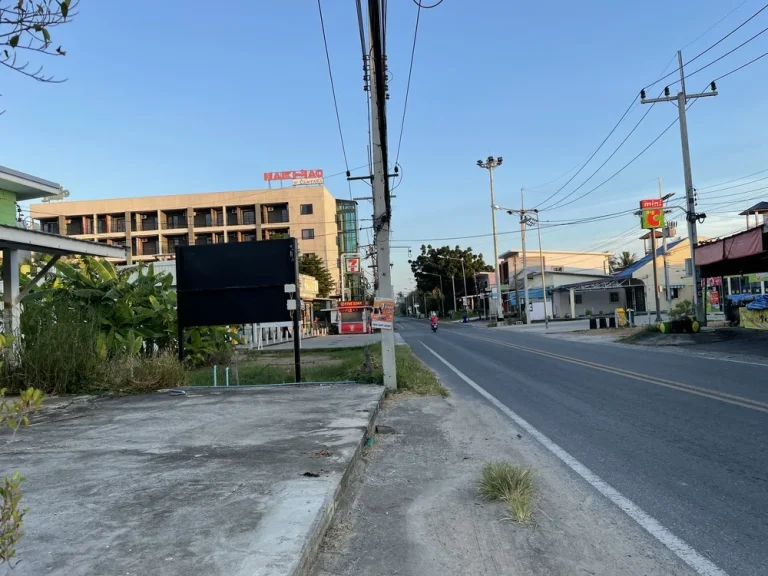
[{"x": 383, "y": 316}]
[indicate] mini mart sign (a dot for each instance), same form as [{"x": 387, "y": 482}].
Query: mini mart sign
[{"x": 652, "y": 216}]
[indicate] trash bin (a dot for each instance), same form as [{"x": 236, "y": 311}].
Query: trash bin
[
  {"x": 621, "y": 317},
  {"x": 593, "y": 323},
  {"x": 603, "y": 323},
  {"x": 631, "y": 316},
  {"x": 464, "y": 319}
]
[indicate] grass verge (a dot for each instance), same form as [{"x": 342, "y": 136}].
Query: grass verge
[
  {"x": 326, "y": 365},
  {"x": 513, "y": 485}
]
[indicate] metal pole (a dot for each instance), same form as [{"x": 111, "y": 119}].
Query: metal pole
[
  {"x": 664, "y": 233},
  {"x": 453, "y": 288},
  {"x": 693, "y": 237},
  {"x": 442, "y": 296},
  {"x": 543, "y": 276},
  {"x": 466, "y": 296},
  {"x": 381, "y": 206},
  {"x": 517, "y": 292},
  {"x": 655, "y": 275},
  {"x": 525, "y": 261},
  {"x": 499, "y": 313}
]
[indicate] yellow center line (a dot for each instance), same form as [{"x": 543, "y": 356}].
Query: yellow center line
[{"x": 682, "y": 387}]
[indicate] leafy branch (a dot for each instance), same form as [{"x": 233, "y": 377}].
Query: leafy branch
[
  {"x": 25, "y": 26},
  {"x": 14, "y": 414}
]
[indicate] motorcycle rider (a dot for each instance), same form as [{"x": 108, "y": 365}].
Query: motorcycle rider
[{"x": 433, "y": 320}]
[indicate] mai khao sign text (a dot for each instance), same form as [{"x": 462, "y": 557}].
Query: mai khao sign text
[
  {"x": 302, "y": 176},
  {"x": 653, "y": 214}
]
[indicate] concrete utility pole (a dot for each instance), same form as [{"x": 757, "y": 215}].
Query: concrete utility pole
[
  {"x": 490, "y": 164},
  {"x": 381, "y": 197},
  {"x": 524, "y": 220},
  {"x": 543, "y": 276},
  {"x": 665, "y": 232},
  {"x": 691, "y": 216},
  {"x": 525, "y": 258}
]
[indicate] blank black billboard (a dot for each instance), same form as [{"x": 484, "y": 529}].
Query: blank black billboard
[{"x": 235, "y": 283}]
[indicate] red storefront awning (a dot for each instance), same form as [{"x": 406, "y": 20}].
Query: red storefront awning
[{"x": 739, "y": 245}]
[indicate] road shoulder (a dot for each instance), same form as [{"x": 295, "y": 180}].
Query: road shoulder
[{"x": 414, "y": 508}]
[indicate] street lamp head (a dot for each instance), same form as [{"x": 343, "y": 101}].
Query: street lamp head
[
  {"x": 490, "y": 159},
  {"x": 668, "y": 196},
  {"x": 480, "y": 163},
  {"x": 498, "y": 162}
]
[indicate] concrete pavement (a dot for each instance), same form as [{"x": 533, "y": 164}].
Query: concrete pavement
[
  {"x": 682, "y": 438},
  {"x": 235, "y": 482}
]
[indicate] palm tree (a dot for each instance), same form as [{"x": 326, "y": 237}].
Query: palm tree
[{"x": 621, "y": 261}]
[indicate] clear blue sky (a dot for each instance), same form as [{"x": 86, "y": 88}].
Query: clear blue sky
[{"x": 171, "y": 97}]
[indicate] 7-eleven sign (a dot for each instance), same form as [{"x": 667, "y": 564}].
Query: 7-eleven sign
[
  {"x": 653, "y": 214},
  {"x": 352, "y": 265}
]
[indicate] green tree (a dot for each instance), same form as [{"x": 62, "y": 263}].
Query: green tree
[
  {"x": 313, "y": 265},
  {"x": 621, "y": 261},
  {"x": 26, "y": 27},
  {"x": 447, "y": 262}
]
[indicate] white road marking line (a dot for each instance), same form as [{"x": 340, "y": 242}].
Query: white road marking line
[{"x": 700, "y": 565}]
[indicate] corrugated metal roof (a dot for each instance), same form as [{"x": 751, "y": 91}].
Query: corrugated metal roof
[{"x": 629, "y": 270}]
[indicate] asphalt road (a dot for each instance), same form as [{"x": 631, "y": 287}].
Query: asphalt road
[{"x": 683, "y": 437}]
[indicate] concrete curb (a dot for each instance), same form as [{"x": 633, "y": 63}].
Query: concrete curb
[{"x": 312, "y": 546}]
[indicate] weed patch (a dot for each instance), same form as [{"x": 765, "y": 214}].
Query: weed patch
[{"x": 510, "y": 484}]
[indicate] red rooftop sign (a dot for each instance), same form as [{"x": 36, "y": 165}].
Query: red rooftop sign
[{"x": 292, "y": 175}]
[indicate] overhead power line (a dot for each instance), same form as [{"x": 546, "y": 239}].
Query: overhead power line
[
  {"x": 742, "y": 66},
  {"x": 333, "y": 90},
  {"x": 408, "y": 83},
  {"x": 716, "y": 60},
  {"x": 700, "y": 54},
  {"x": 420, "y": 5},
  {"x": 560, "y": 202}
]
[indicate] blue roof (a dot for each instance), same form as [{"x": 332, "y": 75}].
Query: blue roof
[{"x": 629, "y": 270}]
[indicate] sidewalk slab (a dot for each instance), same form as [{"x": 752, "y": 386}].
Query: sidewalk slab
[{"x": 211, "y": 483}]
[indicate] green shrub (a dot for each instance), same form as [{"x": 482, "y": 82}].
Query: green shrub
[{"x": 56, "y": 352}]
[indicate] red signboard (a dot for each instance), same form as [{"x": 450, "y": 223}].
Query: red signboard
[
  {"x": 714, "y": 298},
  {"x": 353, "y": 265},
  {"x": 351, "y": 304},
  {"x": 292, "y": 175},
  {"x": 652, "y": 203}
]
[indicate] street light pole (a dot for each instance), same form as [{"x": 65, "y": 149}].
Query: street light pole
[
  {"x": 664, "y": 232},
  {"x": 464, "y": 275},
  {"x": 490, "y": 164},
  {"x": 442, "y": 297}
]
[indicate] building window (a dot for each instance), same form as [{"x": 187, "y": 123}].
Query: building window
[
  {"x": 308, "y": 234},
  {"x": 309, "y": 254},
  {"x": 674, "y": 293},
  {"x": 577, "y": 299},
  {"x": 614, "y": 297},
  {"x": 306, "y": 209},
  {"x": 558, "y": 269}
]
